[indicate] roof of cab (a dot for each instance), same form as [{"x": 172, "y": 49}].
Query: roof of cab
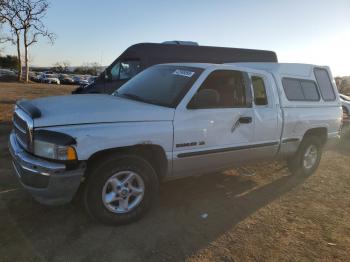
[
  {"x": 199, "y": 65},
  {"x": 293, "y": 69},
  {"x": 285, "y": 69}
]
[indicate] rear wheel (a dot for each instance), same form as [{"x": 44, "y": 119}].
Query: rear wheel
[
  {"x": 121, "y": 189},
  {"x": 307, "y": 158}
]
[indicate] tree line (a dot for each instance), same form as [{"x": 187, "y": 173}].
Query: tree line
[
  {"x": 24, "y": 18},
  {"x": 9, "y": 62},
  {"x": 85, "y": 69},
  {"x": 343, "y": 84}
]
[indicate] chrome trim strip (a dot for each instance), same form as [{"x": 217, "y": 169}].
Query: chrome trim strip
[
  {"x": 19, "y": 128},
  {"x": 35, "y": 171},
  {"x": 16, "y": 169},
  {"x": 226, "y": 149},
  {"x": 288, "y": 140},
  {"x": 30, "y": 124},
  {"x": 21, "y": 142}
]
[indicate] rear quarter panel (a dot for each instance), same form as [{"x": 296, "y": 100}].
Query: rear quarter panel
[
  {"x": 298, "y": 120},
  {"x": 301, "y": 116}
]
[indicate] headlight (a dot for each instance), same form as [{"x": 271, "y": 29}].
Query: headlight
[
  {"x": 53, "y": 151},
  {"x": 54, "y": 145}
]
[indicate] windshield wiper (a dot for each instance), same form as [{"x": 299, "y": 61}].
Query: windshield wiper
[
  {"x": 140, "y": 99},
  {"x": 133, "y": 97}
]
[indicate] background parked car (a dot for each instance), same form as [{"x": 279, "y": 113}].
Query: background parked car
[
  {"x": 38, "y": 77},
  {"x": 66, "y": 79},
  {"x": 7, "y": 72},
  {"x": 83, "y": 82},
  {"x": 7, "y": 75},
  {"x": 92, "y": 79},
  {"x": 76, "y": 79},
  {"x": 345, "y": 100},
  {"x": 50, "y": 79},
  {"x": 32, "y": 76},
  {"x": 145, "y": 55}
]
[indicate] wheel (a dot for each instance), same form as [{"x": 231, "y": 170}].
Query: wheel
[
  {"x": 307, "y": 158},
  {"x": 120, "y": 189}
]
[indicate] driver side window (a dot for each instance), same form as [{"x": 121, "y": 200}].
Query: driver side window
[{"x": 221, "y": 89}]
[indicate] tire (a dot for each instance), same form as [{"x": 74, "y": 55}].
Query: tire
[
  {"x": 300, "y": 164},
  {"x": 101, "y": 183}
]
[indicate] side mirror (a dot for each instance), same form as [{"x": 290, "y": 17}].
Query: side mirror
[{"x": 205, "y": 98}]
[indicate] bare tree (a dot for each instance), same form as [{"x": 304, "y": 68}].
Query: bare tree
[
  {"x": 88, "y": 68},
  {"x": 31, "y": 17},
  {"x": 9, "y": 12},
  {"x": 3, "y": 38},
  {"x": 61, "y": 67}
]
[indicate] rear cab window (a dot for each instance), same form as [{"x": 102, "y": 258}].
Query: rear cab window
[{"x": 259, "y": 91}]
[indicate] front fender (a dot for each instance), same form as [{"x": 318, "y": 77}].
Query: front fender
[{"x": 93, "y": 138}]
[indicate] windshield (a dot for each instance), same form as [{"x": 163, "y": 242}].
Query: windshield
[{"x": 163, "y": 85}]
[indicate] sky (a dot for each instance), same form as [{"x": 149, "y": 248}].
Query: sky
[{"x": 312, "y": 31}]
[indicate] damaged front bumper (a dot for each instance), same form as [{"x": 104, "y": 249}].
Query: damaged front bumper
[{"x": 48, "y": 182}]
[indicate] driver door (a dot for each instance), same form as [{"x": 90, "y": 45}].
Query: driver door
[{"x": 217, "y": 135}]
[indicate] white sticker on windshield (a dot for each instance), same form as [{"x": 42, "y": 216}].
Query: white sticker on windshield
[{"x": 181, "y": 72}]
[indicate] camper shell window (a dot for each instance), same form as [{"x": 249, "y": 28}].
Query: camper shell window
[
  {"x": 300, "y": 89},
  {"x": 325, "y": 84}
]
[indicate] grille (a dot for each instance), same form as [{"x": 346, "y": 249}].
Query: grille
[{"x": 21, "y": 130}]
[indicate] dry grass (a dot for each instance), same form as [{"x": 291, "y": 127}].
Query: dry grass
[
  {"x": 309, "y": 223},
  {"x": 271, "y": 216},
  {"x": 11, "y": 92}
]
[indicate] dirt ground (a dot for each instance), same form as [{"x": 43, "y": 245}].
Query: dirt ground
[{"x": 262, "y": 213}]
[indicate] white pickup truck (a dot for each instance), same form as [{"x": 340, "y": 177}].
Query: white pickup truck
[{"x": 170, "y": 121}]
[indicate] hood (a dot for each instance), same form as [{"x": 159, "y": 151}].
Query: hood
[{"x": 95, "y": 108}]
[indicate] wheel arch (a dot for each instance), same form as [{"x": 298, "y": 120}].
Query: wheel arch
[
  {"x": 320, "y": 132},
  {"x": 154, "y": 154}
]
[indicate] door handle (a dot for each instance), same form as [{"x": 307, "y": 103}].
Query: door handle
[
  {"x": 241, "y": 120},
  {"x": 245, "y": 120}
]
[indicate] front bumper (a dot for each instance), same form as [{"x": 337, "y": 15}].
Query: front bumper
[{"x": 48, "y": 182}]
